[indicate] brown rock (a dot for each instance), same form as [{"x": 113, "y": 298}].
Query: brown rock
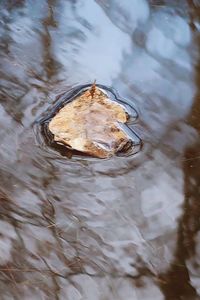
[{"x": 89, "y": 124}]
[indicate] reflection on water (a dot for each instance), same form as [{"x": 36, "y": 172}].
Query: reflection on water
[{"x": 115, "y": 229}]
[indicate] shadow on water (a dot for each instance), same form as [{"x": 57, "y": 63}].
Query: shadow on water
[{"x": 123, "y": 228}]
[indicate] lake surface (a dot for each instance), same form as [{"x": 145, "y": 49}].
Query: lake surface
[{"x": 123, "y": 228}]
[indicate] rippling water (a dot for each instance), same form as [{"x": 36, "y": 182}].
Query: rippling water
[{"x": 101, "y": 230}]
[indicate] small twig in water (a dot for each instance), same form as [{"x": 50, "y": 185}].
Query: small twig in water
[{"x": 93, "y": 88}]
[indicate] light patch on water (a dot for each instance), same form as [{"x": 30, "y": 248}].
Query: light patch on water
[{"x": 91, "y": 57}]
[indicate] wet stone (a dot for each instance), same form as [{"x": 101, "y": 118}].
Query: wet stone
[{"x": 91, "y": 124}]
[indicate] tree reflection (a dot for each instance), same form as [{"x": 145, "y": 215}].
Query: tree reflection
[
  {"x": 176, "y": 282},
  {"x": 50, "y": 64}
]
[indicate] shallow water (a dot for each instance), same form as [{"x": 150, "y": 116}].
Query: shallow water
[{"x": 117, "y": 229}]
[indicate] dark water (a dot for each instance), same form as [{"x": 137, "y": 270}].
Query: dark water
[{"x": 117, "y": 229}]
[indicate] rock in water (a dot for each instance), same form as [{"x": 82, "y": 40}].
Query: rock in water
[{"x": 90, "y": 124}]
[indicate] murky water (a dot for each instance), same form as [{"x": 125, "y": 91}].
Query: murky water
[{"x": 117, "y": 229}]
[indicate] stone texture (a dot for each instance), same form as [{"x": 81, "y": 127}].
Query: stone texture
[{"x": 90, "y": 124}]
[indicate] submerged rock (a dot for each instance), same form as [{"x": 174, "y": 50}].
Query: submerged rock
[{"x": 91, "y": 124}]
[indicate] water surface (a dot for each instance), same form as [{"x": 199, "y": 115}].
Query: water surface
[{"x": 117, "y": 229}]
